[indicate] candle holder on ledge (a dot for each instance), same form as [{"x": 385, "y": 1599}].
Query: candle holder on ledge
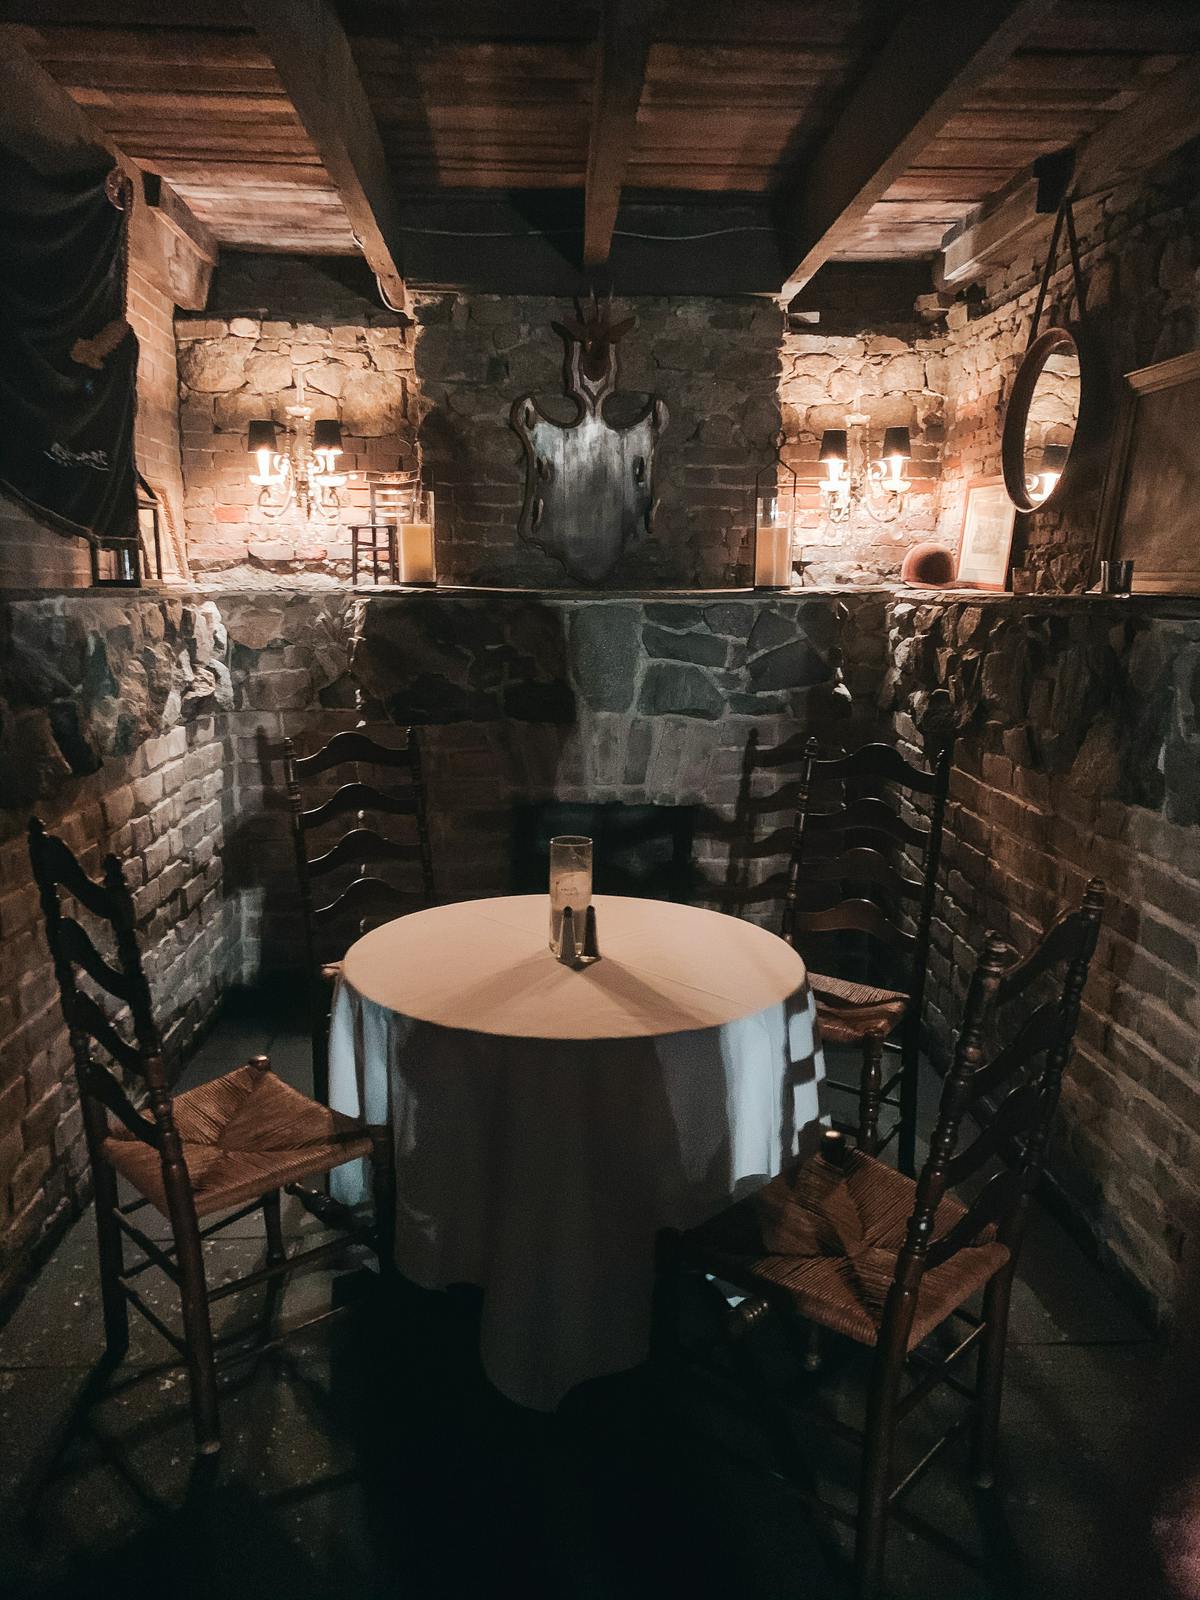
[
  {"x": 573, "y": 936},
  {"x": 775, "y": 487}
]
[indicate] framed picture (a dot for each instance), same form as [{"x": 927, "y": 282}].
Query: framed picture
[
  {"x": 985, "y": 543},
  {"x": 1150, "y": 513}
]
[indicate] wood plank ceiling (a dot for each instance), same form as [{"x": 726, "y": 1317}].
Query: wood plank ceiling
[{"x": 490, "y": 99}]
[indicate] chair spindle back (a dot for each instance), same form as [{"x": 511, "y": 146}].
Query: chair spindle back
[
  {"x": 1027, "y": 1071},
  {"x": 73, "y": 952},
  {"x": 871, "y": 833},
  {"x": 366, "y": 895}
]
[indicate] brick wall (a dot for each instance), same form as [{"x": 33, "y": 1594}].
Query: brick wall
[
  {"x": 866, "y": 382},
  {"x": 1139, "y": 246},
  {"x": 441, "y": 391},
  {"x": 35, "y": 556},
  {"x": 108, "y": 731},
  {"x": 152, "y": 726},
  {"x": 156, "y": 426},
  {"x": 1078, "y": 755},
  {"x": 241, "y": 369}
]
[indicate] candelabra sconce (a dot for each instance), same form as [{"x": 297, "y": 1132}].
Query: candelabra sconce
[
  {"x": 775, "y": 496},
  {"x": 880, "y": 486},
  {"x": 303, "y": 474}
]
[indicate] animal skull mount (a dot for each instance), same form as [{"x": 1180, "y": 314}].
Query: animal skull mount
[{"x": 588, "y": 482}]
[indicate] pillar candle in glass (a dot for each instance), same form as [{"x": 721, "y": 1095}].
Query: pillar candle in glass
[
  {"x": 773, "y": 544},
  {"x": 416, "y": 541},
  {"x": 570, "y": 882}
]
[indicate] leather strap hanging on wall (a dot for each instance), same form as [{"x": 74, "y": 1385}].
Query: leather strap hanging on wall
[
  {"x": 1054, "y": 173},
  {"x": 68, "y": 357},
  {"x": 1063, "y": 217}
]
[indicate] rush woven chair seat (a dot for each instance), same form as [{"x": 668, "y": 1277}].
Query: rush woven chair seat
[
  {"x": 829, "y": 1236},
  {"x": 237, "y": 1132},
  {"x": 230, "y": 1146},
  {"x": 851, "y": 1012},
  {"x": 854, "y": 1246},
  {"x": 855, "y": 831},
  {"x": 359, "y": 897}
]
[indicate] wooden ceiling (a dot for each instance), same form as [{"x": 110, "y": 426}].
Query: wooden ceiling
[{"x": 697, "y": 105}]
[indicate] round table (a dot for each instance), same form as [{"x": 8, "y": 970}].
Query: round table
[{"x": 549, "y": 1121}]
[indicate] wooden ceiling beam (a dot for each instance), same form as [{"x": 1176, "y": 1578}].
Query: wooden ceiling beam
[
  {"x": 1158, "y": 122},
  {"x": 40, "y": 122},
  {"x": 309, "y": 50},
  {"x": 622, "y": 48},
  {"x": 935, "y": 59}
]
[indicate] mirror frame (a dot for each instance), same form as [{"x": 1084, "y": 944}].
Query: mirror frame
[{"x": 1016, "y": 413}]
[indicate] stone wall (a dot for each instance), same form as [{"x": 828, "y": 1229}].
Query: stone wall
[
  {"x": 865, "y": 381},
  {"x": 1140, "y": 249},
  {"x": 443, "y": 388},
  {"x": 240, "y": 369},
  {"x": 109, "y": 732},
  {"x": 1079, "y": 754},
  {"x": 152, "y": 726}
]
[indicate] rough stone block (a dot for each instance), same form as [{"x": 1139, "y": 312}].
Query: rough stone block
[{"x": 668, "y": 689}]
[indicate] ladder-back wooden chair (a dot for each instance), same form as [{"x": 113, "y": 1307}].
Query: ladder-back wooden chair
[
  {"x": 230, "y": 1146},
  {"x": 851, "y": 858},
  {"x": 852, "y": 1245},
  {"x": 348, "y": 867}
]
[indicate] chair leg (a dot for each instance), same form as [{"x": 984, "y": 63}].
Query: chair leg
[
  {"x": 383, "y": 1183},
  {"x": 990, "y": 1383},
  {"x": 320, "y": 1056},
  {"x": 108, "y": 1236},
  {"x": 197, "y": 1333},
  {"x": 276, "y": 1250},
  {"x": 875, "y": 1480},
  {"x": 869, "y": 1095},
  {"x": 910, "y": 1066}
]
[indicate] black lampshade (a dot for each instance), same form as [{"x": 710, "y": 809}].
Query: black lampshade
[
  {"x": 327, "y": 436},
  {"x": 1054, "y": 457},
  {"x": 896, "y": 443},
  {"x": 261, "y": 436},
  {"x": 833, "y": 444}
]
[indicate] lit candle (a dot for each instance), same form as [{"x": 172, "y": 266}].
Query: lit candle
[
  {"x": 416, "y": 542},
  {"x": 773, "y": 556},
  {"x": 416, "y": 552}
]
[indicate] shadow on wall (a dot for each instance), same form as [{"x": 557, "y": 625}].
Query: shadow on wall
[
  {"x": 524, "y": 700},
  {"x": 1078, "y": 755},
  {"x": 715, "y": 363}
]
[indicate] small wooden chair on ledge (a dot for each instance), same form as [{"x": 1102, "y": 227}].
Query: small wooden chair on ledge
[
  {"x": 360, "y": 899},
  {"x": 844, "y": 878},
  {"x": 229, "y": 1146},
  {"x": 850, "y": 1244}
]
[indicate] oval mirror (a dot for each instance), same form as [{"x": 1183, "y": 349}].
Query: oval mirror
[{"x": 1042, "y": 419}]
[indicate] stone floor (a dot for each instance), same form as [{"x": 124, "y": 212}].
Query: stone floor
[{"x": 371, "y": 1458}]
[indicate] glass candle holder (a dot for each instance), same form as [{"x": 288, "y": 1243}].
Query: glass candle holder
[
  {"x": 570, "y": 883},
  {"x": 772, "y": 544},
  {"x": 415, "y": 541}
]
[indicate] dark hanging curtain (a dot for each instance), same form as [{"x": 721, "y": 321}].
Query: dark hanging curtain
[{"x": 68, "y": 358}]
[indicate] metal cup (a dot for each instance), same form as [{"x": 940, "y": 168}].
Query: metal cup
[{"x": 1116, "y": 577}]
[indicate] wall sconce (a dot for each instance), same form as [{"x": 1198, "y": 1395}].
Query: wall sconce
[
  {"x": 304, "y": 473},
  {"x": 1042, "y": 484},
  {"x": 835, "y": 485},
  {"x": 879, "y": 486}
]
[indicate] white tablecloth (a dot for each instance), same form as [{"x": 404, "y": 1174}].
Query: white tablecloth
[{"x": 548, "y": 1122}]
